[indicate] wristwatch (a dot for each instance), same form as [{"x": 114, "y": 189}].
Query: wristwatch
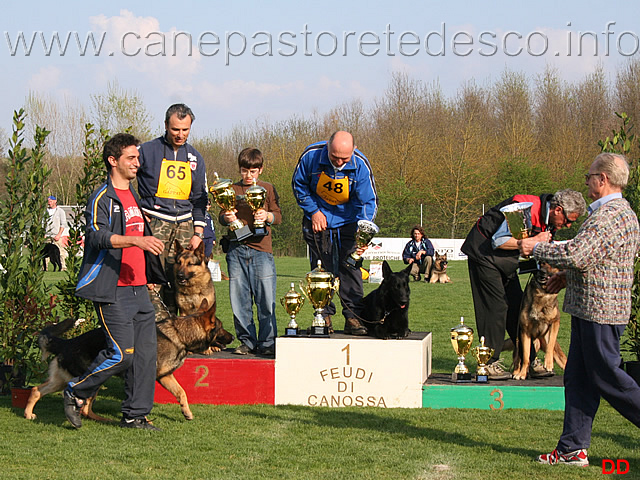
[{"x": 200, "y": 235}]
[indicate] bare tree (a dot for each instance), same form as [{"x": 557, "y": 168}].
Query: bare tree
[
  {"x": 120, "y": 110},
  {"x": 65, "y": 119}
]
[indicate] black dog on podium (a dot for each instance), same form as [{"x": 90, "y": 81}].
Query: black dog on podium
[{"x": 386, "y": 309}]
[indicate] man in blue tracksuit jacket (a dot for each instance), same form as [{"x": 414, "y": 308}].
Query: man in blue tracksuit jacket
[
  {"x": 333, "y": 184},
  {"x": 172, "y": 183},
  {"x": 120, "y": 258}
]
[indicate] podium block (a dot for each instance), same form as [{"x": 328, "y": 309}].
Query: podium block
[
  {"x": 218, "y": 380},
  {"x": 345, "y": 371}
]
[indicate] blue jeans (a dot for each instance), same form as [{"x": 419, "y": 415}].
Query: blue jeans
[{"x": 252, "y": 278}]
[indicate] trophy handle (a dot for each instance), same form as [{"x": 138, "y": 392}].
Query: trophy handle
[{"x": 303, "y": 291}]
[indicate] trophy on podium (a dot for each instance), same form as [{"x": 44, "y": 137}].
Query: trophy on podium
[
  {"x": 482, "y": 354},
  {"x": 256, "y": 197},
  {"x": 518, "y": 216},
  {"x": 461, "y": 339},
  {"x": 225, "y": 197},
  {"x": 319, "y": 286},
  {"x": 366, "y": 231},
  {"x": 292, "y": 303}
]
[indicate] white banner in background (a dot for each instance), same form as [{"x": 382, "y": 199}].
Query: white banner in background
[{"x": 391, "y": 248}]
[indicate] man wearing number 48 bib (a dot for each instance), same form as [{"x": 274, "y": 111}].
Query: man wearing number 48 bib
[
  {"x": 333, "y": 184},
  {"x": 173, "y": 190}
]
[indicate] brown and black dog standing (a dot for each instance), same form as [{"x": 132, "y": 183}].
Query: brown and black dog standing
[
  {"x": 177, "y": 336},
  {"x": 539, "y": 322},
  {"x": 192, "y": 279}
]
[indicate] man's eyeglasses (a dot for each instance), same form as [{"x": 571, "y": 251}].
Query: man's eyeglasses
[
  {"x": 587, "y": 176},
  {"x": 567, "y": 220}
]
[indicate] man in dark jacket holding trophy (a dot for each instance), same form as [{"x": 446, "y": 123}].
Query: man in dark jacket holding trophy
[{"x": 492, "y": 253}]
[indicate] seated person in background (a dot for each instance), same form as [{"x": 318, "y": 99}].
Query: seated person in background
[{"x": 419, "y": 254}]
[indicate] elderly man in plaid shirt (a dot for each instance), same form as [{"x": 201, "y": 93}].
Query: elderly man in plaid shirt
[{"x": 598, "y": 273}]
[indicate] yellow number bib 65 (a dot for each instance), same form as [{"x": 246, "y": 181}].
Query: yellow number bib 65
[
  {"x": 334, "y": 191},
  {"x": 175, "y": 180}
]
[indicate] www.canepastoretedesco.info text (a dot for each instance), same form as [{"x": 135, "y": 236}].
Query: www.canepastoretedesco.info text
[{"x": 323, "y": 43}]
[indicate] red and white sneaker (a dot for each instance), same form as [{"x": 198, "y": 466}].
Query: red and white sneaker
[{"x": 577, "y": 457}]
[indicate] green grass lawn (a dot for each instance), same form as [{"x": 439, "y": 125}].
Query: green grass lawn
[{"x": 294, "y": 442}]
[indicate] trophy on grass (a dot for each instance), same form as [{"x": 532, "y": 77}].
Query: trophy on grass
[
  {"x": 292, "y": 303},
  {"x": 461, "y": 339},
  {"x": 482, "y": 354},
  {"x": 366, "y": 231},
  {"x": 518, "y": 216},
  {"x": 319, "y": 286},
  {"x": 256, "y": 197},
  {"x": 225, "y": 197}
]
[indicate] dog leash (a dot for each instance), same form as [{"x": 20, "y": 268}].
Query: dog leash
[{"x": 156, "y": 293}]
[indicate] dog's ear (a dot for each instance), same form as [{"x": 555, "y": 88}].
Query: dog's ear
[
  {"x": 386, "y": 270},
  {"x": 200, "y": 250},
  {"x": 204, "y": 306},
  {"x": 179, "y": 248},
  {"x": 407, "y": 270}
]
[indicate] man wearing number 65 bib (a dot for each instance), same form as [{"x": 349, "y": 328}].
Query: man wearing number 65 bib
[
  {"x": 172, "y": 184},
  {"x": 333, "y": 184}
]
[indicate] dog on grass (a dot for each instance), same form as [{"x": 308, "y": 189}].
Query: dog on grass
[
  {"x": 386, "y": 309},
  {"x": 177, "y": 336},
  {"x": 52, "y": 252},
  {"x": 539, "y": 322},
  {"x": 439, "y": 269},
  {"x": 192, "y": 280}
]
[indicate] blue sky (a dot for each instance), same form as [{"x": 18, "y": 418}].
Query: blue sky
[{"x": 352, "y": 49}]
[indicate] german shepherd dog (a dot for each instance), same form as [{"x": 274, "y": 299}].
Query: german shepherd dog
[
  {"x": 539, "y": 322},
  {"x": 177, "y": 336},
  {"x": 192, "y": 279},
  {"x": 52, "y": 252},
  {"x": 387, "y": 307},
  {"x": 439, "y": 270}
]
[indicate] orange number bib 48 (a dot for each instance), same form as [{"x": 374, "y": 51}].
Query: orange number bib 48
[
  {"x": 175, "y": 180},
  {"x": 334, "y": 191}
]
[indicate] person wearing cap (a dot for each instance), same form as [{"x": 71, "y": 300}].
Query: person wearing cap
[{"x": 56, "y": 228}]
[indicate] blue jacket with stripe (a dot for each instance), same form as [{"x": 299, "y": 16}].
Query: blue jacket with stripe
[
  {"x": 363, "y": 197},
  {"x": 100, "y": 270}
]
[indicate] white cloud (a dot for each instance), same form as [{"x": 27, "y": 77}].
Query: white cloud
[
  {"x": 46, "y": 79},
  {"x": 142, "y": 45}
]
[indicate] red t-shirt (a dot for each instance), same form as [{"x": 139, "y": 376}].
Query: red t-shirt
[{"x": 132, "y": 269}]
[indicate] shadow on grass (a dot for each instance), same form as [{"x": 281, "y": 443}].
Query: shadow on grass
[{"x": 359, "y": 419}]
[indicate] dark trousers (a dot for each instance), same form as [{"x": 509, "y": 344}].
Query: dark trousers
[
  {"x": 593, "y": 371},
  {"x": 332, "y": 247},
  {"x": 130, "y": 329},
  {"x": 496, "y": 301}
]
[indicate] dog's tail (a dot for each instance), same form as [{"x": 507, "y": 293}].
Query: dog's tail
[{"x": 49, "y": 334}]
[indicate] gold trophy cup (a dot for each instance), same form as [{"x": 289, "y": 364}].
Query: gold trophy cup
[
  {"x": 225, "y": 197},
  {"x": 256, "y": 197},
  {"x": 461, "y": 339},
  {"x": 366, "y": 231},
  {"x": 292, "y": 303},
  {"x": 482, "y": 354},
  {"x": 319, "y": 286},
  {"x": 518, "y": 216}
]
